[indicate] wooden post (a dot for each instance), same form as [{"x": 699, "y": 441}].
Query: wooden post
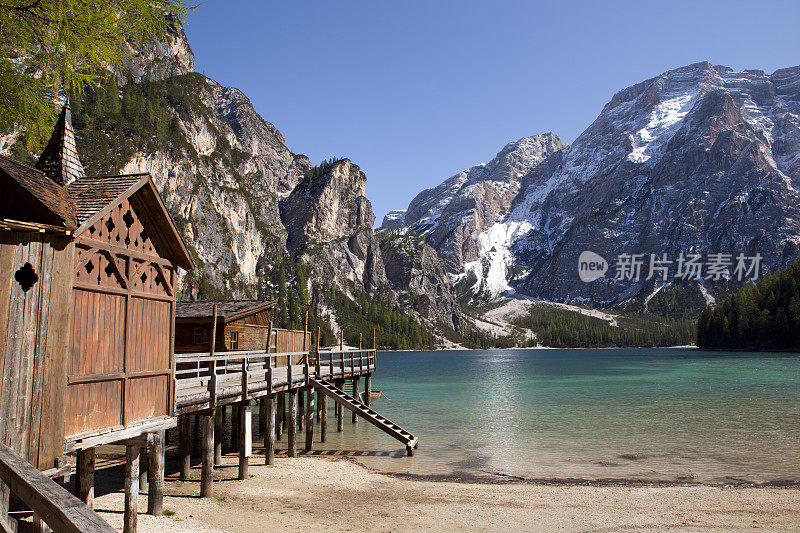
[
  {"x": 292, "y": 429},
  {"x": 323, "y": 424},
  {"x": 309, "y": 419},
  {"x": 279, "y": 414},
  {"x": 355, "y": 395},
  {"x": 245, "y": 439},
  {"x": 269, "y": 432},
  {"x": 143, "y": 467},
  {"x": 131, "y": 488},
  {"x": 235, "y": 417},
  {"x": 207, "y": 475},
  {"x": 339, "y": 409},
  {"x": 301, "y": 408},
  {"x": 368, "y": 390},
  {"x": 218, "y": 435},
  {"x": 185, "y": 445},
  {"x": 212, "y": 365},
  {"x": 155, "y": 493},
  {"x": 84, "y": 475},
  {"x": 262, "y": 414}
]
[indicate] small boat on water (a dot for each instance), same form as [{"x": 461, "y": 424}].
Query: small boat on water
[{"x": 373, "y": 394}]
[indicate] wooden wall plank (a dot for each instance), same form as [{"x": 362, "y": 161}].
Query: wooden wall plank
[
  {"x": 45, "y": 282},
  {"x": 7, "y": 251},
  {"x": 54, "y": 390}
]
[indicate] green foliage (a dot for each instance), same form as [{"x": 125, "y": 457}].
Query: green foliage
[
  {"x": 761, "y": 316},
  {"x": 112, "y": 124},
  {"x": 69, "y": 44},
  {"x": 559, "y": 328},
  {"x": 477, "y": 339},
  {"x": 394, "y": 329},
  {"x": 314, "y": 173}
]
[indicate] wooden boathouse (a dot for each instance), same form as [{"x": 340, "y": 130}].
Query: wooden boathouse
[{"x": 94, "y": 348}]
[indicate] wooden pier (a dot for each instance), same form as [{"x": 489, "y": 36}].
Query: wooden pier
[{"x": 207, "y": 382}]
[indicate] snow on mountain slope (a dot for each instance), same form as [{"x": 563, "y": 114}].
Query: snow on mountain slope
[{"x": 700, "y": 158}]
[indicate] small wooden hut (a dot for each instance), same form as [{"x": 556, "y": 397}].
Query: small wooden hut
[
  {"x": 241, "y": 325},
  {"x": 88, "y": 269}
]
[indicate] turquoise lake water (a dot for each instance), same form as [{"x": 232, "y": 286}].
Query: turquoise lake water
[{"x": 668, "y": 414}]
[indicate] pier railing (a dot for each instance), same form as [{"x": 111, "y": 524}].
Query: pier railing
[
  {"x": 51, "y": 504},
  {"x": 204, "y": 378}
]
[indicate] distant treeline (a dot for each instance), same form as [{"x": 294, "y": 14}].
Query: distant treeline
[
  {"x": 764, "y": 316},
  {"x": 559, "y": 328}
]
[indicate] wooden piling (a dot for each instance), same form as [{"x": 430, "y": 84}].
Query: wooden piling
[
  {"x": 280, "y": 401},
  {"x": 207, "y": 474},
  {"x": 262, "y": 414},
  {"x": 185, "y": 445},
  {"x": 309, "y": 419},
  {"x": 292, "y": 429},
  {"x": 84, "y": 475},
  {"x": 368, "y": 390},
  {"x": 245, "y": 439},
  {"x": 323, "y": 424},
  {"x": 155, "y": 469},
  {"x": 131, "y": 488},
  {"x": 218, "y": 421},
  {"x": 269, "y": 432},
  {"x": 235, "y": 418},
  {"x": 355, "y": 395},
  {"x": 143, "y": 467},
  {"x": 339, "y": 409},
  {"x": 301, "y": 409}
]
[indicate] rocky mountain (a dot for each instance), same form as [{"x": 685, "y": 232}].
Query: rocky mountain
[
  {"x": 700, "y": 159},
  {"x": 250, "y": 210},
  {"x": 419, "y": 275},
  {"x": 330, "y": 224}
]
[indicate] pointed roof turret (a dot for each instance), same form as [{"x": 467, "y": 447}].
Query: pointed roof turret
[{"x": 60, "y": 161}]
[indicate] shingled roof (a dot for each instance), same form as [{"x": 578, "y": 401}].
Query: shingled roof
[
  {"x": 94, "y": 194},
  {"x": 56, "y": 206},
  {"x": 227, "y": 310},
  {"x": 60, "y": 161}
]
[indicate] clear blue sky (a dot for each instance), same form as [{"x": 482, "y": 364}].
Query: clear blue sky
[{"x": 415, "y": 91}]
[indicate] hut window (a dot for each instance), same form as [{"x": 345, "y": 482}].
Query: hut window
[
  {"x": 26, "y": 277},
  {"x": 198, "y": 335},
  {"x": 234, "y": 340}
]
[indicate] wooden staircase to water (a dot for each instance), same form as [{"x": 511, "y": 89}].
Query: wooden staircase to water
[{"x": 365, "y": 412}]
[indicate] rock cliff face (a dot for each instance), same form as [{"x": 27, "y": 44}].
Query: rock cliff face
[
  {"x": 700, "y": 159},
  {"x": 418, "y": 273},
  {"x": 455, "y": 216},
  {"x": 330, "y": 224}
]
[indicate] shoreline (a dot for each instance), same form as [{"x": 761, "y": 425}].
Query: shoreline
[{"x": 322, "y": 493}]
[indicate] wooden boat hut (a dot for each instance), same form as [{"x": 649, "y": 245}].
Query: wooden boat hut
[
  {"x": 241, "y": 325},
  {"x": 88, "y": 270}
]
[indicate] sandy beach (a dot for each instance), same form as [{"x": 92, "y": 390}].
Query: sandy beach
[{"x": 325, "y": 494}]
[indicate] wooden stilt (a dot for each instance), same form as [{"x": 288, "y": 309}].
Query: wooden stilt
[
  {"x": 235, "y": 418},
  {"x": 292, "y": 429},
  {"x": 245, "y": 439},
  {"x": 218, "y": 435},
  {"x": 131, "y": 488},
  {"x": 84, "y": 475},
  {"x": 355, "y": 395},
  {"x": 155, "y": 469},
  {"x": 225, "y": 422},
  {"x": 185, "y": 445},
  {"x": 207, "y": 475},
  {"x": 143, "y": 467},
  {"x": 269, "y": 432},
  {"x": 262, "y": 414},
  {"x": 309, "y": 420},
  {"x": 339, "y": 409},
  {"x": 301, "y": 409},
  {"x": 323, "y": 424},
  {"x": 280, "y": 400},
  {"x": 368, "y": 390}
]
